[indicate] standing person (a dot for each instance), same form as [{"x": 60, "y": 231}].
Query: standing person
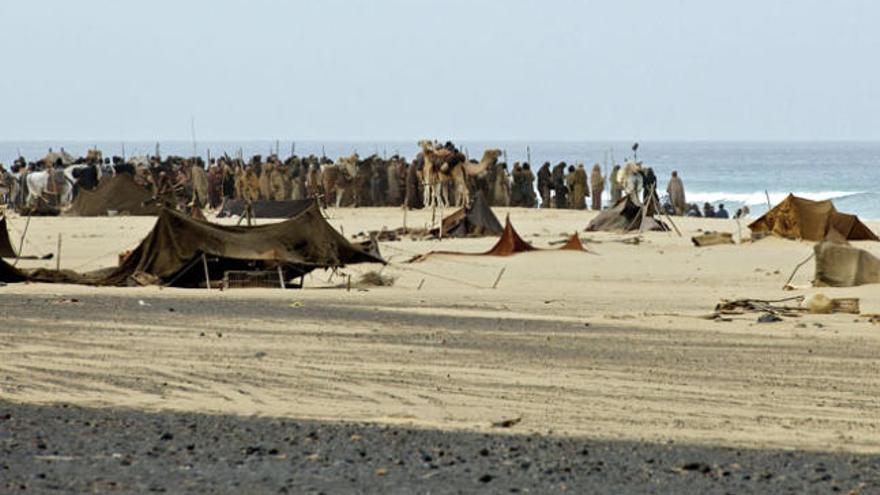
[
  {"x": 528, "y": 187},
  {"x": 265, "y": 181},
  {"x": 501, "y": 194},
  {"x": 393, "y": 182},
  {"x": 545, "y": 184},
  {"x": 313, "y": 181},
  {"x": 215, "y": 186},
  {"x": 276, "y": 183},
  {"x": 560, "y": 187},
  {"x": 413, "y": 194},
  {"x": 517, "y": 197},
  {"x": 597, "y": 183},
  {"x": 580, "y": 189},
  {"x": 616, "y": 190},
  {"x": 649, "y": 185},
  {"x": 675, "y": 190}
]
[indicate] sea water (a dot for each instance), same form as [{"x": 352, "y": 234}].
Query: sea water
[{"x": 733, "y": 173}]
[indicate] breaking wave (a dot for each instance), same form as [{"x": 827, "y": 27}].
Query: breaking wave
[{"x": 760, "y": 198}]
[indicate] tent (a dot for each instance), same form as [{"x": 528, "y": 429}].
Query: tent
[
  {"x": 264, "y": 208},
  {"x": 119, "y": 193},
  {"x": 508, "y": 244},
  {"x": 177, "y": 249},
  {"x": 6, "y": 249},
  {"x": 625, "y": 216},
  {"x": 800, "y": 218},
  {"x": 474, "y": 220},
  {"x": 10, "y": 274},
  {"x": 841, "y": 265}
]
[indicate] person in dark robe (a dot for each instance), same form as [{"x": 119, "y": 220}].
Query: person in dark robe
[
  {"x": 722, "y": 213},
  {"x": 545, "y": 184},
  {"x": 560, "y": 188},
  {"x": 413, "y": 193},
  {"x": 528, "y": 187}
]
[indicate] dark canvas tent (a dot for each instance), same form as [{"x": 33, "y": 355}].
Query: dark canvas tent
[
  {"x": 508, "y": 244},
  {"x": 173, "y": 251},
  {"x": 6, "y": 249},
  {"x": 841, "y": 265},
  {"x": 119, "y": 193},
  {"x": 474, "y": 220},
  {"x": 625, "y": 216},
  {"x": 800, "y": 218},
  {"x": 264, "y": 209}
]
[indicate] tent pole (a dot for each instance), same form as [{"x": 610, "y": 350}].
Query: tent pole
[
  {"x": 207, "y": 276},
  {"x": 281, "y": 278}
]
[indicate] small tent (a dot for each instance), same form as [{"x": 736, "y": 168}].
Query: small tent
[
  {"x": 800, "y": 218},
  {"x": 625, "y": 216},
  {"x": 264, "y": 208},
  {"x": 841, "y": 265},
  {"x": 508, "y": 244},
  {"x": 179, "y": 249},
  {"x": 119, "y": 193},
  {"x": 474, "y": 220}
]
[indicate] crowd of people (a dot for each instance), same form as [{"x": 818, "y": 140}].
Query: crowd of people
[{"x": 349, "y": 181}]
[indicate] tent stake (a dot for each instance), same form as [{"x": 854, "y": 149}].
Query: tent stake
[
  {"x": 498, "y": 278},
  {"x": 421, "y": 283},
  {"x": 207, "y": 276},
  {"x": 58, "y": 255}
]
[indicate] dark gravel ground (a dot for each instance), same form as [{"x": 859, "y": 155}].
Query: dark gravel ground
[{"x": 66, "y": 449}]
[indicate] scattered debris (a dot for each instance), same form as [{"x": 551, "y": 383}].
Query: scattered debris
[
  {"x": 381, "y": 472},
  {"x": 375, "y": 279},
  {"x": 507, "y": 423},
  {"x": 296, "y": 304},
  {"x": 712, "y": 239},
  {"x": 742, "y": 306},
  {"x": 141, "y": 302},
  {"x": 768, "y": 318},
  {"x": 818, "y": 304}
]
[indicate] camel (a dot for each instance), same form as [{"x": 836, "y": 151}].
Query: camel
[{"x": 444, "y": 166}]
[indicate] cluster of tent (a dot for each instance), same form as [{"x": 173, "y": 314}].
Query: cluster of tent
[{"x": 188, "y": 252}]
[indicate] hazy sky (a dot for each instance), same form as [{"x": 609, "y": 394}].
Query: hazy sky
[{"x": 401, "y": 69}]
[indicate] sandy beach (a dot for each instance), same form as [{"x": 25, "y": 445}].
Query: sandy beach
[{"x": 608, "y": 344}]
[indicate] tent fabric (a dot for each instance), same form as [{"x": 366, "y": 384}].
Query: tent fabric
[
  {"x": 264, "y": 208},
  {"x": 474, "y": 220},
  {"x": 177, "y": 242},
  {"x": 800, "y": 218},
  {"x": 624, "y": 216},
  {"x": 119, "y": 193},
  {"x": 508, "y": 244},
  {"x": 9, "y": 274},
  {"x": 6, "y": 249},
  {"x": 841, "y": 265}
]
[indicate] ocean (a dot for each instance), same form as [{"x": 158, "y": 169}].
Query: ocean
[{"x": 733, "y": 173}]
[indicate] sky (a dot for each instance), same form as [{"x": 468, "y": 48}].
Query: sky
[{"x": 451, "y": 69}]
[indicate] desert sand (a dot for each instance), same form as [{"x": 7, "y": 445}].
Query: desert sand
[{"x": 608, "y": 344}]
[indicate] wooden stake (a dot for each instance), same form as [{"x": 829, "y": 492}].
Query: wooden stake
[
  {"x": 798, "y": 267},
  {"x": 769, "y": 206},
  {"x": 207, "y": 276},
  {"x": 348, "y": 284},
  {"x": 58, "y": 254},
  {"x": 21, "y": 242},
  {"x": 421, "y": 284},
  {"x": 498, "y": 278}
]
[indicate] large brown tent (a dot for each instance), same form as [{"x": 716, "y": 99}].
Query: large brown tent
[
  {"x": 119, "y": 193},
  {"x": 508, "y": 244},
  {"x": 474, "y": 220},
  {"x": 841, "y": 265},
  {"x": 173, "y": 251},
  {"x": 625, "y": 216},
  {"x": 264, "y": 208},
  {"x": 800, "y": 218}
]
